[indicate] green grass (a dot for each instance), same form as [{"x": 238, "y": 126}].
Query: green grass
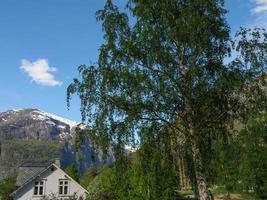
[
  {"x": 220, "y": 192},
  {"x": 185, "y": 192}
]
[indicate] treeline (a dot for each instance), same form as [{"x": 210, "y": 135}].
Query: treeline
[{"x": 15, "y": 152}]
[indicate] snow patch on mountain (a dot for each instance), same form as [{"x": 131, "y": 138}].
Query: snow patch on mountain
[
  {"x": 17, "y": 110},
  {"x": 39, "y": 117},
  {"x": 45, "y": 115},
  {"x": 61, "y": 127},
  {"x": 51, "y": 122},
  {"x": 4, "y": 119}
]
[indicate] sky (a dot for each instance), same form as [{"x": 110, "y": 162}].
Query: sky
[{"x": 43, "y": 42}]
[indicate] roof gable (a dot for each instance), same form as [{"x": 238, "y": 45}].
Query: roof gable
[
  {"x": 75, "y": 182},
  {"x": 38, "y": 172}
]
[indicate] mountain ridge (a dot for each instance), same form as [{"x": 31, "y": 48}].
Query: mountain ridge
[
  {"x": 18, "y": 122},
  {"x": 33, "y": 135}
]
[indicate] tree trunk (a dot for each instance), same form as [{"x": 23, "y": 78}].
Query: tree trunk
[
  {"x": 204, "y": 193},
  {"x": 203, "y": 190},
  {"x": 184, "y": 180},
  {"x": 228, "y": 196},
  {"x": 180, "y": 173}
]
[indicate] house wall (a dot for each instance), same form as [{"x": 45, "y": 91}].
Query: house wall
[{"x": 51, "y": 186}]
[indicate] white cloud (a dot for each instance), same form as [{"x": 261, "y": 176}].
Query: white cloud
[
  {"x": 40, "y": 72},
  {"x": 261, "y": 6},
  {"x": 259, "y": 14}
]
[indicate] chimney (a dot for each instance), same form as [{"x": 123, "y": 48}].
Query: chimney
[{"x": 57, "y": 162}]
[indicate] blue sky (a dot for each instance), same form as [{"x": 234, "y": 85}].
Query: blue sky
[{"x": 43, "y": 42}]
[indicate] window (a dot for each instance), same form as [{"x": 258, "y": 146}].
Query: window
[
  {"x": 38, "y": 188},
  {"x": 63, "y": 187}
]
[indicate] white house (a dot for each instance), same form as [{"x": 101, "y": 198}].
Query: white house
[{"x": 36, "y": 182}]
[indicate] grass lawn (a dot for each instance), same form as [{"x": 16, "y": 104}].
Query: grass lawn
[{"x": 220, "y": 193}]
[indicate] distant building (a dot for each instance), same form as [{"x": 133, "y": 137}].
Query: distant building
[{"x": 38, "y": 181}]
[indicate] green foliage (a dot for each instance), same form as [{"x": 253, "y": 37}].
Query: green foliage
[
  {"x": 73, "y": 172},
  {"x": 152, "y": 177},
  {"x": 254, "y": 147},
  {"x": 101, "y": 187},
  {"x": 168, "y": 70},
  {"x": 224, "y": 165},
  {"x": 88, "y": 177},
  {"x": 155, "y": 168},
  {"x": 138, "y": 81},
  {"x": 7, "y": 186}
]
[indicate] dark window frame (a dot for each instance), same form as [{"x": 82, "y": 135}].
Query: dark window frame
[
  {"x": 63, "y": 187},
  {"x": 39, "y": 188}
]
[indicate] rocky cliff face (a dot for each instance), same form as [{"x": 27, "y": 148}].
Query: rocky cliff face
[
  {"x": 33, "y": 135},
  {"x": 35, "y": 124}
]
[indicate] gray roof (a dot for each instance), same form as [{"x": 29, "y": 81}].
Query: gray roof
[{"x": 28, "y": 171}]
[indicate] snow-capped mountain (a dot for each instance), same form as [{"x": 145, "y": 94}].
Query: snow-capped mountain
[
  {"x": 34, "y": 135},
  {"x": 35, "y": 124}
]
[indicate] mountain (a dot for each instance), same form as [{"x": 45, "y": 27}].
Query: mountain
[
  {"x": 35, "y": 124},
  {"x": 28, "y": 135}
]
